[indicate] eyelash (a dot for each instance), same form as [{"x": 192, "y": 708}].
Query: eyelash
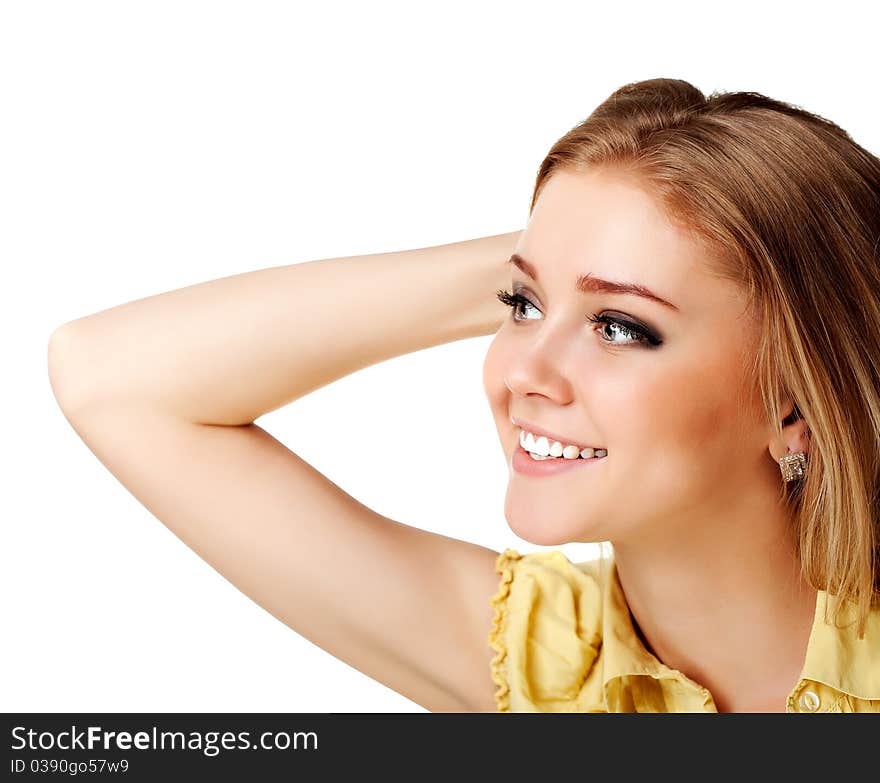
[{"x": 640, "y": 335}]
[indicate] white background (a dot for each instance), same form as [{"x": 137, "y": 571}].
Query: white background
[{"x": 146, "y": 146}]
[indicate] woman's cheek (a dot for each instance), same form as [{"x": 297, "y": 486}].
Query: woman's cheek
[{"x": 497, "y": 393}]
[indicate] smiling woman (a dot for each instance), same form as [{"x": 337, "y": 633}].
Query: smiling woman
[
  {"x": 688, "y": 371},
  {"x": 692, "y": 291}
]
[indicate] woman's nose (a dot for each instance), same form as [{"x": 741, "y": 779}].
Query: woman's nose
[{"x": 539, "y": 371}]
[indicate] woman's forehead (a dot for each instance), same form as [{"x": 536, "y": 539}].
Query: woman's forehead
[{"x": 604, "y": 224}]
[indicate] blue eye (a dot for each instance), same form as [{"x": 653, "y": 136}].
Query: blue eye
[{"x": 634, "y": 333}]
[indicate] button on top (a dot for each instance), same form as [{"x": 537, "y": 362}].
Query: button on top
[{"x": 809, "y": 701}]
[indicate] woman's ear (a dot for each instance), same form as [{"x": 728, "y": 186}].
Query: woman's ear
[{"x": 795, "y": 434}]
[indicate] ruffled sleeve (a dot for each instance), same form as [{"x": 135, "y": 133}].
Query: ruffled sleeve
[
  {"x": 504, "y": 566},
  {"x": 546, "y": 633}
]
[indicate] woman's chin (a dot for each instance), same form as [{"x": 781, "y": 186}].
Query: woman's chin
[{"x": 536, "y": 530}]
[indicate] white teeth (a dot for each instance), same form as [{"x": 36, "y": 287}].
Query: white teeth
[
  {"x": 541, "y": 448},
  {"x": 530, "y": 444}
]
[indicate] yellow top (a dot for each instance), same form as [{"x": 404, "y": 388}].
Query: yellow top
[{"x": 564, "y": 644}]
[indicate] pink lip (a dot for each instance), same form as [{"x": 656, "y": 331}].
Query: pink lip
[{"x": 551, "y": 436}]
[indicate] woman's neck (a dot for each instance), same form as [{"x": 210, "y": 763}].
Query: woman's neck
[{"x": 727, "y": 606}]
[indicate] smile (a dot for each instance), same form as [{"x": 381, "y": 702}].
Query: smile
[{"x": 542, "y": 448}]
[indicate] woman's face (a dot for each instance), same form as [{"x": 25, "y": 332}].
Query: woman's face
[{"x": 682, "y": 425}]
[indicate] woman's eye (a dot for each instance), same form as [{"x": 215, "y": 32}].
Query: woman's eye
[
  {"x": 515, "y": 301},
  {"x": 632, "y": 333}
]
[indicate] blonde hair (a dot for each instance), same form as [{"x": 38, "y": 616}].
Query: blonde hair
[{"x": 787, "y": 206}]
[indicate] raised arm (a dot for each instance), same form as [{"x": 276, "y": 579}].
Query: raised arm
[
  {"x": 229, "y": 350},
  {"x": 165, "y": 390}
]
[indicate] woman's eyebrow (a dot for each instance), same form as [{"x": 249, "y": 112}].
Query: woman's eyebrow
[{"x": 586, "y": 284}]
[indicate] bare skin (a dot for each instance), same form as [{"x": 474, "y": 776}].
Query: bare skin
[
  {"x": 688, "y": 494},
  {"x": 166, "y": 390}
]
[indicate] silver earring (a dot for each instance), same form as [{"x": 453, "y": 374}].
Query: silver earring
[{"x": 793, "y": 466}]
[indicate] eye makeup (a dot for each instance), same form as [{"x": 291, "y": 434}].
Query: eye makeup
[{"x": 635, "y": 334}]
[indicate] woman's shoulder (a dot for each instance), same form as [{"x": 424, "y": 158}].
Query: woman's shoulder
[
  {"x": 547, "y": 632},
  {"x": 546, "y": 568}
]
